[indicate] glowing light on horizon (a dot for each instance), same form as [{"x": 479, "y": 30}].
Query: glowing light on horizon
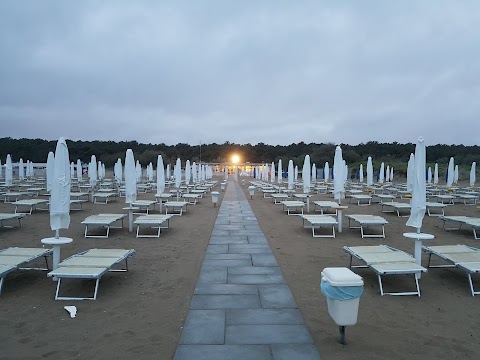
[{"x": 235, "y": 159}]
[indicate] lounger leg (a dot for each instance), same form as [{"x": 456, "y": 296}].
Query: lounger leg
[
  {"x": 380, "y": 284},
  {"x": 58, "y": 288},
  {"x": 416, "y": 283},
  {"x": 475, "y": 234},
  {"x": 96, "y": 289},
  {"x": 1, "y": 284}
]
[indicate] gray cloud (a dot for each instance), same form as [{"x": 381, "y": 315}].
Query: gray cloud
[{"x": 254, "y": 71}]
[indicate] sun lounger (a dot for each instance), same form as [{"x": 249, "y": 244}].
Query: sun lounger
[
  {"x": 192, "y": 199},
  {"x": 106, "y": 196},
  {"x": 324, "y": 205},
  {"x": 319, "y": 221},
  {"x": 29, "y": 203},
  {"x": 362, "y": 200},
  {"x": 463, "y": 257},
  {"x": 379, "y": 198},
  {"x": 103, "y": 221},
  {"x": 77, "y": 204},
  {"x": 152, "y": 221},
  {"x": 437, "y": 206},
  {"x": 279, "y": 197},
  {"x": 12, "y": 196},
  {"x": 396, "y": 207},
  {"x": 7, "y": 217},
  {"x": 467, "y": 199},
  {"x": 290, "y": 206},
  {"x": 385, "y": 260},
  {"x": 367, "y": 221},
  {"x": 91, "y": 264},
  {"x": 15, "y": 258},
  {"x": 445, "y": 199},
  {"x": 474, "y": 222},
  {"x": 176, "y": 207},
  {"x": 144, "y": 205}
]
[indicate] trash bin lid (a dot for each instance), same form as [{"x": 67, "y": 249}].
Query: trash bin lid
[
  {"x": 215, "y": 193},
  {"x": 341, "y": 276}
]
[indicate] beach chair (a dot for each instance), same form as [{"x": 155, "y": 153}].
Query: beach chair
[
  {"x": 473, "y": 222},
  {"x": 152, "y": 221},
  {"x": 361, "y": 199},
  {"x": 31, "y": 204},
  {"x": 176, "y": 207},
  {"x": 438, "y": 207},
  {"x": 385, "y": 260},
  {"x": 365, "y": 221},
  {"x": 103, "y": 221},
  {"x": 277, "y": 198},
  {"x": 325, "y": 205},
  {"x": 292, "y": 207},
  {"x": 4, "y": 217},
  {"x": 103, "y": 197},
  {"x": 144, "y": 205},
  {"x": 191, "y": 198},
  {"x": 16, "y": 258},
  {"x": 397, "y": 207},
  {"x": 463, "y": 257},
  {"x": 91, "y": 264},
  {"x": 319, "y": 221}
]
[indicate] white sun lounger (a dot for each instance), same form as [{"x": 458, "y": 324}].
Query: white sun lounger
[
  {"x": 176, "y": 207},
  {"x": 7, "y": 217},
  {"x": 463, "y": 257},
  {"x": 292, "y": 205},
  {"x": 362, "y": 200},
  {"x": 474, "y": 222},
  {"x": 396, "y": 207},
  {"x": 106, "y": 196},
  {"x": 15, "y": 258},
  {"x": 385, "y": 260},
  {"x": 12, "y": 196},
  {"x": 191, "y": 198},
  {"x": 324, "y": 205},
  {"x": 91, "y": 264},
  {"x": 77, "y": 202},
  {"x": 277, "y": 198},
  {"x": 29, "y": 203},
  {"x": 144, "y": 205},
  {"x": 437, "y": 206},
  {"x": 319, "y": 221},
  {"x": 152, "y": 221},
  {"x": 103, "y": 221},
  {"x": 367, "y": 221}
]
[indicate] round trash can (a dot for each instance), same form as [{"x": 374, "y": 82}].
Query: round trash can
[
  {"x": 251, "y": 191},
  {"x": 215, "y": 196}
]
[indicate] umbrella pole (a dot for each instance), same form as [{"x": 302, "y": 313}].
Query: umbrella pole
[{"x": 130, "y": 218}]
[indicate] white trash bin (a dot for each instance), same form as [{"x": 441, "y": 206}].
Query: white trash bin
[{"x": 342, "y": 288}]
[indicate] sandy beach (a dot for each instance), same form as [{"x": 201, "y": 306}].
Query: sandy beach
[{"x": 140, "y": 314}]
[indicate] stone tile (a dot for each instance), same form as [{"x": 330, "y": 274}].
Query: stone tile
[
  {"x": 257, "y": 239},
  {"x": 226, "y": 263},
  {"x": 249, "y": 249},
  {"x": 222, "y": 233},
  {"x": 212, "y": 274},
  {"x": 226, "y": 289},
  {"x": 276, "y": 296},
  {"x": 263, "y": 317},
  {"x": 197, "y": 321},
  {"x": 246, "y": 232},
  {"x": 243, "y": 256},
  {"x": 222, "y": 352},
  {"x": 239, "y": 239},
  {"x": 225, "y": 302},
  {"x": 229, "y": 227},
  {"x": 255, "y": 279},
  {"x": 267, "y": 334},
  {"x": 264, "y": 260},
  {"x": 254, "y": 270},
  {"x": 295, "y": 352},
  {"x": 217, "y": 249}
]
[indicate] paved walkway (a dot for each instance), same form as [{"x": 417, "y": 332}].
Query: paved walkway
[{"x": 242, "y": 308}]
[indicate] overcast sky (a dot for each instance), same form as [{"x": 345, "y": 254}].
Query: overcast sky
[{"x": 276, "y": 72}]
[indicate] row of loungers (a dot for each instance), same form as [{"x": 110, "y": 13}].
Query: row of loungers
[{"x": 90, "y": 264}]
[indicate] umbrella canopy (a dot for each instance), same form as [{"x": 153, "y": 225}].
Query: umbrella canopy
[
  {"x": 387, "y": 174},
  {"x": 60, "y": 192},
  {"x": 8, "y": 171},
  {"x": 326, "y": 172},
  {"x": 450, "y": 173},
  {"x": 360, "y": 177},
  {"x": 177, "y": 173},
  {"x": 296, "y": 173},
  {"x": 280, "y": 171},
  {"x": 419, "y": 197},
  {"x": 167, "y": 172},
  {"x": 50, "y": 167},
  {"x": 130, "y": 178},
  {"x": 79, "y": 170},
  {"x": 455, "y": 176},
  {"x": 472, "y": 174},
  {"x": 187, "y": 172},
  {"x": 21, "y": 169},
  {"x": 161, "y": 175},
  {"x": 138, "y": 171},
  {"x": 290, "y": 175},
  {"x": 381, "y": 177},
  {"x": 118, "y": 170},
  {"x": 369, "y": 171},
  {"x": 92, "y": 171},
  {"x": 99, "y": 170},
  {"x": 435, "y": 174},
  {"x": 411, "y": 172},
  {"x": 391, "y": 173},
  {"x": 338, "y": 175},
  {"x": 150, "y": 172},
  {"x": 306, "y": 174},
  {"x": 194, "y": 172},
  {"x": 314, "y": 172},
  {"x": 272, "y": 177},
  {"x": 429, "y": 175}
]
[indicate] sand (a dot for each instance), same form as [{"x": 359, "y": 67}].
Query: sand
[{"x": 140, "y": 314}]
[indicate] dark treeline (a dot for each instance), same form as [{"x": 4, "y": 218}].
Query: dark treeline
[{"x": 108, "y": 152}]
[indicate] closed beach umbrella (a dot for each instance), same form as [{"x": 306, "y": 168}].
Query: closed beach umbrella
[
  {"x": 272, "y": 174},
  {"x": 387, "y": 174},
  {"x": 296, "y": 173},
  {"x": 167, "y": 172},
  {"x": 280, "y": 171},
  {"x": 306, "y": 174},
  {"x": 314, "y": 172},
  {"x": 455, "y": 176},
  {"x": 419, "y": 199},
  {"x": 361, "y": 173},
  {"x": 410, "y": 172},
  {"x": 338, "y": 175},
  {"x": 429, "y": 175},
  {"x": 391, "y": 174},
  {"x": 369, "y": 171},
  {"x": 194, "y": 172},
  {"x": 435, "y": 174},
  {"x": 8, "y": 171},
  {"x": 72, "y": 170},
  {"x": 138, "y": 171},
  {"x": 60, "y": 192},
  {"x": 21, "y": 169},
  {"x": 92, "y": 171},
  {"x": 381, "y": 178},
  {"x": 160, "y": 175},
  {"x": 130, "y": 178},
  {"x": 187, "y": 172},
  {"x": 326, "y": 172},
  {"x": 50, "y": 166},
  {"x": 472, "y": 174},
  {"x": 290, "y": 175},
  {"x": 79, "y": 170},
  {"x": 177, "y": 172},
  {"x": 450, "y": 173}
]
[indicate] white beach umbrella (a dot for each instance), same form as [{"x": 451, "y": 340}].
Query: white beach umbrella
[
  {"x": 99, "y": 170},
  {"x": 360, "y": 177},
  {"x": 296, "y": 172},
  {"x": 160, "y": 175},
  {"x": 338, "y": 175},
  {"x": 272, "y": 173},
  {"x": 60, "y": 192},
  {"x": 167, "y": 172},
  {"x": 314, "y": 172},
  {"x": 150, "y": 172},
  {"x": 326, "y": 171},
  {"x": 410, "y": 172},
  {"x": 381, "y": 177},
  {"x": 194, "y": 172},
  {"x": 79, "y": 170},
  {"x": 419, "y": 198},
  {"x": 306, "y": 174},
  {"x": 290, "y": 175},
  {"x": 92, "y": 171},
  {"x": 130, "y": 178},
  {"x": 429, "y": 175},
  {"x": 8, "y": 171},
  {"x": 369, "y": 171},
  {"x": 138, "y": 171},
  {"x": 391, "y": 174},
  {"x": 72, "y": 170},
  {"x": 21, "y": 169},
  {"x": 50, "y": 166},
  {"x": 435, "y": 174},
  {"x": 346, "y": 176},
  {"x": 103, "y": 169},
  {"x": 387, "y": 174},
  {"x": 187, "y": 172},
  {"x": 450, "y": 173},
  {"x": 177, "y": 172},
  {"x": 455, "y": 177},
  {"x": 473, "y": 174},
  {"x": 280, "y": 171}
]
